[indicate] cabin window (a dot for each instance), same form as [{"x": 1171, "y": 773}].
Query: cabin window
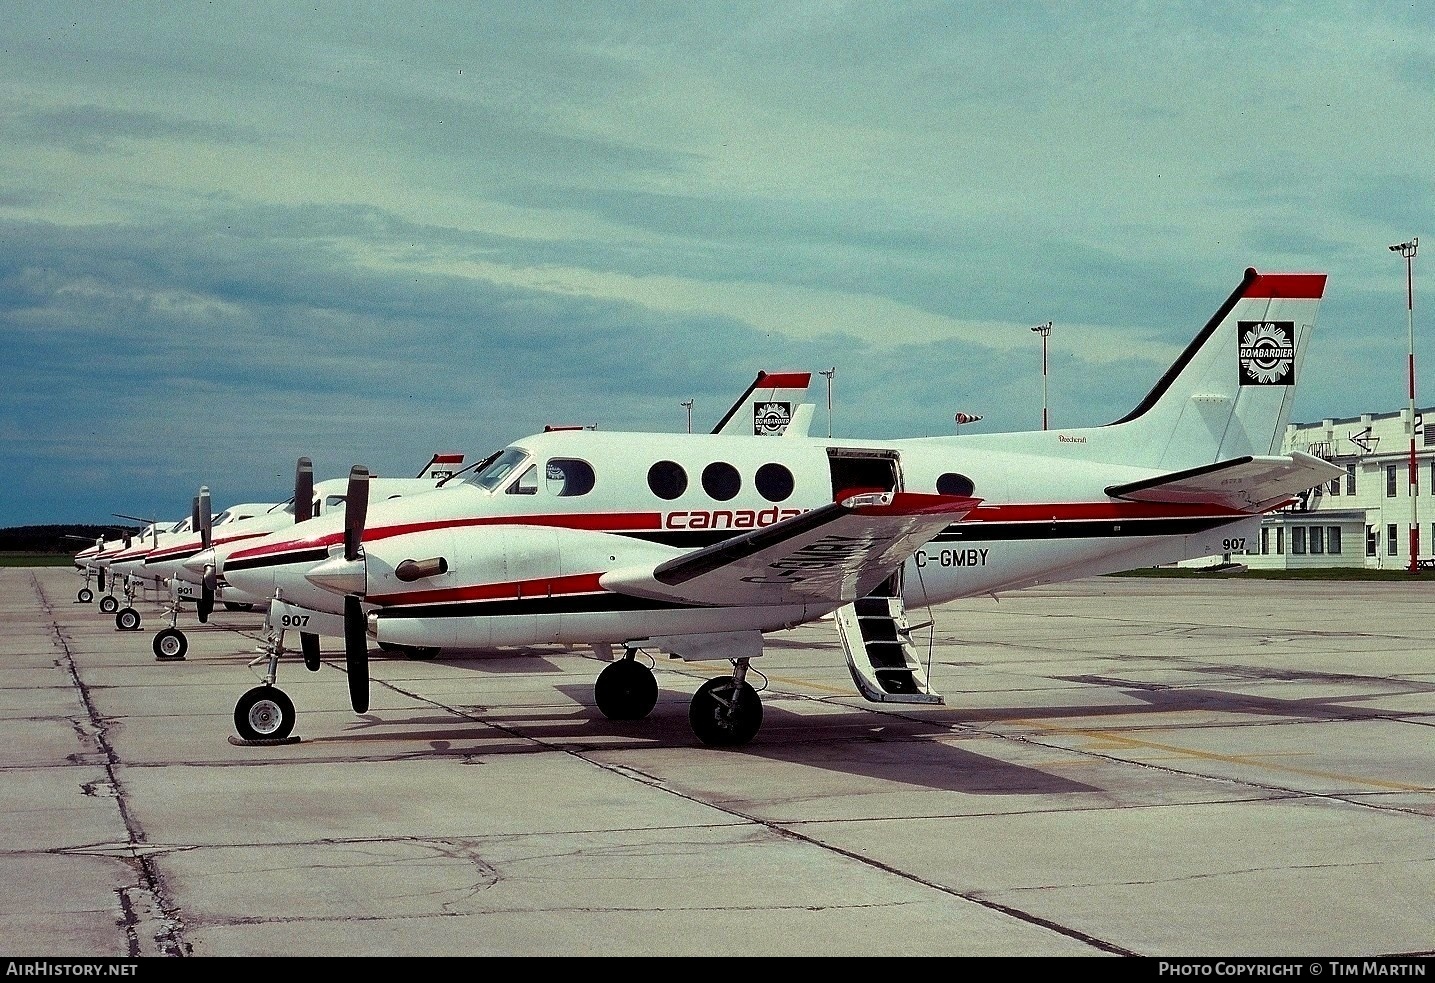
[
  {"x": 955, "y": 484},
  {"x": 331, "y": 503},
  {"x": 527, "y": 483},
  {"x": 568, "y": 476},
  {"x": 774, "y": 482},
  {"x": 721, "y": 480},
  {"x": 667, "y": 479}
]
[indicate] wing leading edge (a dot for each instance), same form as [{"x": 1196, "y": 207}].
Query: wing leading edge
[{"x": 831, "y": 554}]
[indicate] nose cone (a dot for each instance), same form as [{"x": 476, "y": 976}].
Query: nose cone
[{"x": 339, "y": 575}]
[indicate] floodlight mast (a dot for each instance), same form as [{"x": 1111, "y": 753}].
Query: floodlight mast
[{"x": 1408, "y": 250}]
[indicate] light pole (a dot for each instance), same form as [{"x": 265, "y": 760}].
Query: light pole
[
  {"x": 1407, "y": 249},
  {"x": 688, "y": 405},
  {"x": 829, "y": 373},
  {"x": 1044, "y": 330}
]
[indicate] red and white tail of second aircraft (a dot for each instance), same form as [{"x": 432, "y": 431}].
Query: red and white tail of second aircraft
[{"x": 696, "y": 545}]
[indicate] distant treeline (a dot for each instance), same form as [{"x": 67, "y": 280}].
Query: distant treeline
[{"x": 56, "y": 539}]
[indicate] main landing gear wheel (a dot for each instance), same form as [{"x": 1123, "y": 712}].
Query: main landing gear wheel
[
  {"x": 170, "y": 645},
  {"x": 109, "y": 604},
  {"x": 85, "y": 596},
  {"x": 626, "y": 690},
  {"x": 127, "y": 619},
  {"x": 265, "y": 713},
  {"x": 725, "y": 713}
]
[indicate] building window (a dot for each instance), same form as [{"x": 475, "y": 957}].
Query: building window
[
  {"x": 1317, "y": 539},
  {"x": 1332, "y": 540},
  {"x": 1390, "y": 481},
  {"x": 1392, "y": 540},
  {"x": 1350, "y": 478},
  {"x": 1369, "y": 540},
  {"x": 1335, "y": 485},
  {"x": 1297, "y": 540},
  {"x": 1265, "y": 540},
  {"x": 1280, "y": 540}
]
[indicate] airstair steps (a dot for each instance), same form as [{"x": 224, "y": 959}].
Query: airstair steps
[{"x": 880, "y": 655}]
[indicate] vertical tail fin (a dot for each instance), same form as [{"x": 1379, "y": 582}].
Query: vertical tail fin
[
  {"x": 1230, "y": 392},
  {"x": 767, "y": 408}
]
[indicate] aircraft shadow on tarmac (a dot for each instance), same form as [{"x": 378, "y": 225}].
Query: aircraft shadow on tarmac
[{"x": 903, "y": 745}]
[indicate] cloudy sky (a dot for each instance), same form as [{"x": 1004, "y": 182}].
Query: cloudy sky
[{"x": 236, "y": 233}]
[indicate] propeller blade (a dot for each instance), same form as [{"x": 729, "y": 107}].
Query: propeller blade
[
  {"x": 194, "y": 516},
  {"x": 356, "y": 653},
  {"x": 356, "y": 510},
  {"x": 309, "y": 644},
  {"x": 205, "y": 516},
  {"x": 304, "y": 490}
]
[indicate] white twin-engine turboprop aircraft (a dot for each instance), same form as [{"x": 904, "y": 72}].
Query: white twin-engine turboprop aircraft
[
  {"x": 166, "y": 562},
  {"x": 697, "y": 544}
]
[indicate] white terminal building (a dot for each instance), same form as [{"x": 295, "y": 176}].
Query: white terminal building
[{"x": 1362, "y": 519}]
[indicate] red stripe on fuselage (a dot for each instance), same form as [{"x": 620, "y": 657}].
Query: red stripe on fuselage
[
  {"x": 593, "y": 522},
  {"x": 583, "y": 583},
  {"x": 619, "y": 523},
  {"x": 195, "y": 545},
  {"x": 1087, "y": 511}
]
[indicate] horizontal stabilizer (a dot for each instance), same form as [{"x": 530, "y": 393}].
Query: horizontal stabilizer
[
  {"x": 1250, "y": 484},
  {"x": 823, "y": 557}
]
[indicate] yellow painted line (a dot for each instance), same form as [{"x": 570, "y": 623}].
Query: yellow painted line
[{"x": 1119, "y": 740}]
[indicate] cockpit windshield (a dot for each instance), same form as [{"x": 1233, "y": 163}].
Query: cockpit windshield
[{"x": 498, "y": 469}]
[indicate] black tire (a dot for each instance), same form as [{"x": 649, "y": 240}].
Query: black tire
[
  {"x": 170, "y": 644},
  {"x": 109, "y": 604},
  {"x": 85, "y": 596},
  {"x": 127, "y": 619},
  {"x": 235, "y": 606},
  {"x": 265, "y": 713},
  {"x": 720, "y": 725},
  {"x": 626, "y": 690}
]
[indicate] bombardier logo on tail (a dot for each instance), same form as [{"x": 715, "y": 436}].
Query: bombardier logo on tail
[
  {"x": 771, "y": 419},
  {"x": 1267, "y": 353}
]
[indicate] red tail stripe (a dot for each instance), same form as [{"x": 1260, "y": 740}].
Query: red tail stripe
[
  {"x": 784, "y": 380},
  {"x": 1298, "y": 286}
]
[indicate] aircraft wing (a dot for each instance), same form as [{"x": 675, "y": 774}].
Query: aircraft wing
[
  {"x": 831, "y": 554},
  {"x": 1245, "y": 483}
]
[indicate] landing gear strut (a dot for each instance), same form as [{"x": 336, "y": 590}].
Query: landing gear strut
[
  {"x": 266, "y": 713},
  {"x": 127, "y": 618},
  {"x": 726, "y": 711}
]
